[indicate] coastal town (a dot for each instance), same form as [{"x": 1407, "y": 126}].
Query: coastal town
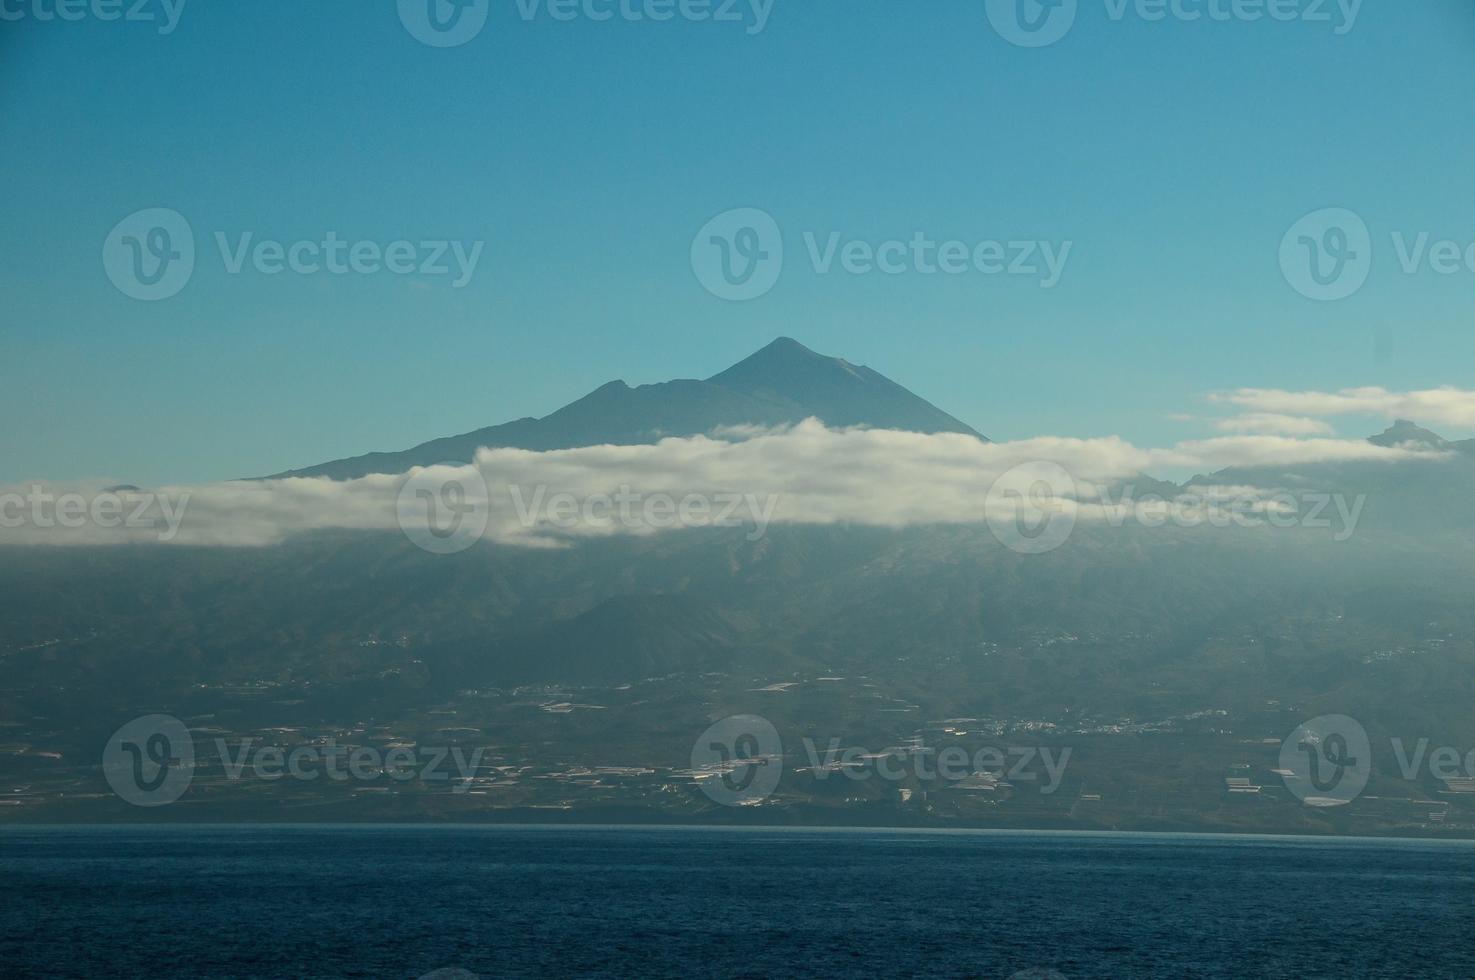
[{"x": 844, "y": 751}]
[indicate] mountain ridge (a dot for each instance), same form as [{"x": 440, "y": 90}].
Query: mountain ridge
[
  {"x": 1410, "y": 435},
  {"x": 783, "y": 383}
]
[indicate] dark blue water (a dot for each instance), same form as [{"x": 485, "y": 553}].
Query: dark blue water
[{"x": 506, "y": 902}]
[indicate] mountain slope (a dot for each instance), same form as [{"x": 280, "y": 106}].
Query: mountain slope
[{"x": 784, "y": 382}]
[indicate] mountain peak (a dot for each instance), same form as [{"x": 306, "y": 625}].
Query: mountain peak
[
  {"x": 1405, "y": 433},
  {"x": 833, "y": 389},
  {"x": 788, "y": 344},
  {"x": 790, "y": 350},
  {"x": 780, "y": 366}
]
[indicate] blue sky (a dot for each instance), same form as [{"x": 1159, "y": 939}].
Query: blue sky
[{"x": 1173, "y": 155}]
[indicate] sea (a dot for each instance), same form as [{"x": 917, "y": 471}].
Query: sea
[{"x": 457, "y": 902}]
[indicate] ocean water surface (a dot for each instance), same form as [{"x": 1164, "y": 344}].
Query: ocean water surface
[{"x": 403, "y": 902}]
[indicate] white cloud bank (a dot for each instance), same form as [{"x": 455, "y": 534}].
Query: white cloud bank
[{"x": 805, "y": 474}]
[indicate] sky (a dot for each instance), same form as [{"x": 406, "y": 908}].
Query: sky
[{"x": 573, "y": 163}]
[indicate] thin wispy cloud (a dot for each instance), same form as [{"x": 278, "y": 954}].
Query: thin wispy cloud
[
  {"x": 1432, "y": 406},
  {"x": 1273, "y": 424},
  {"x": 1231, "y": 452}
]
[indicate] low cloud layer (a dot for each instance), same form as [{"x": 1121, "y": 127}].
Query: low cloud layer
[{"x": 805, "y": 474}]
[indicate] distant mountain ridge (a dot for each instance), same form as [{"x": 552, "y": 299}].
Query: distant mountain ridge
[
  {"x": 783, "y": 383},
  {"x": 1407, "y": 435}
]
